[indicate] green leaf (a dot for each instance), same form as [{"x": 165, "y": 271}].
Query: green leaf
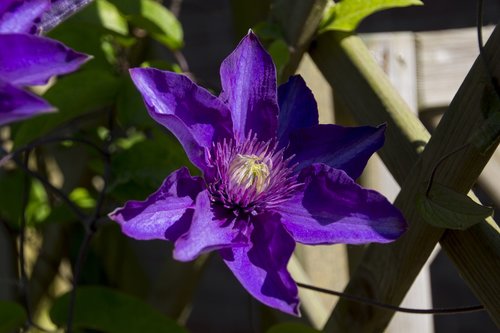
[
  {"x": 139, "y": 170},
  {"x": 446, "y": 208},
  {"x": 130, "y": 106},
  {"x": 291, "y": 328},
  {"x": 38, "y": 206},
  {"x": 12, "y": 316},
  {"x": 347, "y": 14},
  {"x": 160, "y": 23},
  {"x": 81, "y": 197},
  {"x": 89, "y": 30},
  {"x": 280, "y": 53},
  {"x": 73, "y": 95},
  {"x": 111, "y": 18},
  {"x": 267, "y": 31},
  {"x": 108, "y": 310}
]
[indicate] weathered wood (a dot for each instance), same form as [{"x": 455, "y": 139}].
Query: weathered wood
[
  {"x": 444, "y": 58},
  {"x": 365, "y": 90},
  {"x": 395, "y": 53},
  {"x": 311, "y": 301},
  {"x": 387, "y": 271}
]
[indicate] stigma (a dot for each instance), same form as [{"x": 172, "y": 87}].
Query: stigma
[{"x": 249, "y": 172}]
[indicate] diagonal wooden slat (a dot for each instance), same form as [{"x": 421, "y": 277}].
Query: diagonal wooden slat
[{"x": 387, "y": 271}]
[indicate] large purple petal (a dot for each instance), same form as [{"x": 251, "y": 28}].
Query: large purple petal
[
  {"x": 298, "y": 108},
  {"x": 261, "y": 267},
  {"x": 196, "y": 117},
  {"x": 166, "y": 214},
  {"x": 31, "y": 60},
  {"x": 334, "y": 209},
  {"x": 20, "y": 16},
  {"x": 213, "y": 228},
  {"x": 345, "y": 148},
  {"x": 248, "y": 78},
  {"x": 17, "y": 104}
]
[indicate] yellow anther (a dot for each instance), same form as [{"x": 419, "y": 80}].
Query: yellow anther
[{"x": 248, "y": 171}]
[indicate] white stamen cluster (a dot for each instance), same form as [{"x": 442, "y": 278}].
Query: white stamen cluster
[{"x": 248, "y": 171}]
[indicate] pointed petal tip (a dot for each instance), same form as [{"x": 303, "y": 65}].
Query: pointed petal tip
[
  {"x": 248, "y": 78},
  {"x": 113, "y": 215}
]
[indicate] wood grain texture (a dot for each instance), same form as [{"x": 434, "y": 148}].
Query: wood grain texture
[
  {"x": 444, "y": 58},
  {"x": 387, "y": 271},
  {"x": 395, "y": 53}
]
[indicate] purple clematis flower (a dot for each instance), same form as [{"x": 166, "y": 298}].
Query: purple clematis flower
[
  {"x": 27, "y": 59},
  {"x": 272, "y": 176}
]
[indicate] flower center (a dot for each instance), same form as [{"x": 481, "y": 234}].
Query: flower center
[
  {"x": 250, "y": 176},
  {"x": 249, "y": 171}
]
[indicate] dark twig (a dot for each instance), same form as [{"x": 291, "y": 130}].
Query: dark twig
[
  {"x": 22, "y": 238},
  {"x": 55, "y": 139},
  {"x": 91, "y": 228},
  {"x": 23, "y": 279},
  {"x": 82, "y": 254},
  {"x": 372, "y": 302},
  {"x": 438, "y": 163},
  {"x": 74, "y": 208}
]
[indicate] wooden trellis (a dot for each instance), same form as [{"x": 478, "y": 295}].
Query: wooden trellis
[{"x": 387, "y": 271}]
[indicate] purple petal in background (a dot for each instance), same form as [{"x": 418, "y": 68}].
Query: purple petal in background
[
  {"x": 59, "y": 11},
  {"x": 196, "y": 117},
  {"x": 345, "y": 148},
  {"x": 32, "y": 60},
  {"x": 248, "y": 78},
  {"x": 17, "y": 104},
  {"x": 298, "y": 108},
  {"x": 334, "y": 209},
  {"x": 20, "y": 16},
  {"x": 261, "y": 267},
  {"x": 166, "y": 214}
]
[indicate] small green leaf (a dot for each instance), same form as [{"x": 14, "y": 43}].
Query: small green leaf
[
  {"x": 81, "y": 197},
  {"x": 347, "y": 14},
  {"x": 140, "y": 169},
  {"x": 12, "y": 316},
  {"x": 280, "y": 53},
  {"x": 291, "y": 328},
  {"x": 160, "y": 23},
  {"x": 107, "y": 310},
  {"x": 38, "y": 206},
  {"x": 445, "y": 208},
  {"x": 111, "y": 18}
]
